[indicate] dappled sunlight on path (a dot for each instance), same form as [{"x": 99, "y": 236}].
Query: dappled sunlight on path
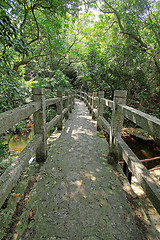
[{"x": 78, "y": 195}]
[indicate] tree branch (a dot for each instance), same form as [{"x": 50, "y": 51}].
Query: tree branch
[
  {"x": 150, "y": 19},
  {"x": 64, "y": 56},
  {"x": 25, "y": 18},
  {"x": 26, "y": 61},
  {"x": 132, "y": 35},
  {"x": 34, "y": 40}
]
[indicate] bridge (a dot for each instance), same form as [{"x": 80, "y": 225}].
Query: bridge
[{"x": 80, "y": 191}]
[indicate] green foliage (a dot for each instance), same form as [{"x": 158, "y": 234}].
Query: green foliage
[
  {"x": 51, "y": 113},
  {"x": 19, "y": 127},
  {"x": 120, "y": 51},
  {"x": 3, "y": 149},
  {"x": 6, "y": 158},
  {"x": 13, "y": 93},
  {"x": 3, "y": 167},
  {"x": 59, "y": 81},
  {"x": 61, "y": 46},
  {"x": 9, "y": 33}
]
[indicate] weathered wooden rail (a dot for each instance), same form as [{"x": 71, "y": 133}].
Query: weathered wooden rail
[
  {"x": 39, "y": 142},
  {"x": 118, "y": 148}
]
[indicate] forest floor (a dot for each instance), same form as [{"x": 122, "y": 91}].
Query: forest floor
[{"x": 76, "y": 194}]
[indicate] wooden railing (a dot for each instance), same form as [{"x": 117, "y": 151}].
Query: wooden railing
[
  {"x": 39, "y": 142},
  {"x": 118, "y": 148}
]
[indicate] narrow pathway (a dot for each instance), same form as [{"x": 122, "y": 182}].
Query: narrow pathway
[{"x": 78, "y": 196}]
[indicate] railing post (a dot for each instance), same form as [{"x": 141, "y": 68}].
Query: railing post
[
  {"x": 88, "y": 99},
  {"x": 100, "y": 109},
  {"x": 81, "y": 96},
  {"x": 84, "y": 97},
  {"x": 66, "y": 105},
  {"x": 90, "y": 102},
  {"x": 117, "y": 120},
  {"x": 40, "y": 123},
  {"x": 70, "y": 102},
  {"x": 93, "y": 104},
  {"x": 59, "y": 110}
]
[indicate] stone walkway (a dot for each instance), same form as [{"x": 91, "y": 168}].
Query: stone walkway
[{"x": 78, "y": 196}]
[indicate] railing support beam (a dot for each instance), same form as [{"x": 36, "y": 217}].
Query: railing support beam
[
  {"x": 100, "y": 109},
  {"x": 66, "y": 105},
  {"x": 59, "y": 110}
]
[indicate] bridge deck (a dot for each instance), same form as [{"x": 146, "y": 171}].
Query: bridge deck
[{"x": 78, "y": 195}]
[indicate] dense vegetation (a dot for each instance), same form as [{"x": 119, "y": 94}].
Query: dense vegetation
[{"x": 92, "y": 45}]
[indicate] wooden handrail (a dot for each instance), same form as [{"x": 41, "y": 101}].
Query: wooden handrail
[
  {"x": 39, "y": 142},
  {"x": 107, "y": 102},
  {"x": 146, "y": 180},
  {"x": 13, "y": 172},
  {"x": 11, "y": 117},
  {"x": 149, "y": 123},
  {"x": 52, "y": 101},
  {"x": 118, "y": 146}
]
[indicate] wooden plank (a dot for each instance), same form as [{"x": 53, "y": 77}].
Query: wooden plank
[
  {"x": 52, "y": 101},
  {"x": 105, "y": 124},
  {"x": 10, "y": 118},
  {"x": 52, "y": 123},
  {"x": 145, "y": 179},
  {"x": 9, "y": 178},
  {"x": 107, "y": 102},
  {"x": 145, "y": 121}
]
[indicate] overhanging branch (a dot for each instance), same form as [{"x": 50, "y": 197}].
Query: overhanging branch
[
  {"x": 26, "y": 61},
  {"x": 34, "y": 40},
  {"x": 25, "y": 18},
  {"x": 131, "y": 34}
]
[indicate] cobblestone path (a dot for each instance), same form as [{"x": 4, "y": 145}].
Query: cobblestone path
[{"x": 78, "y": 196}]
